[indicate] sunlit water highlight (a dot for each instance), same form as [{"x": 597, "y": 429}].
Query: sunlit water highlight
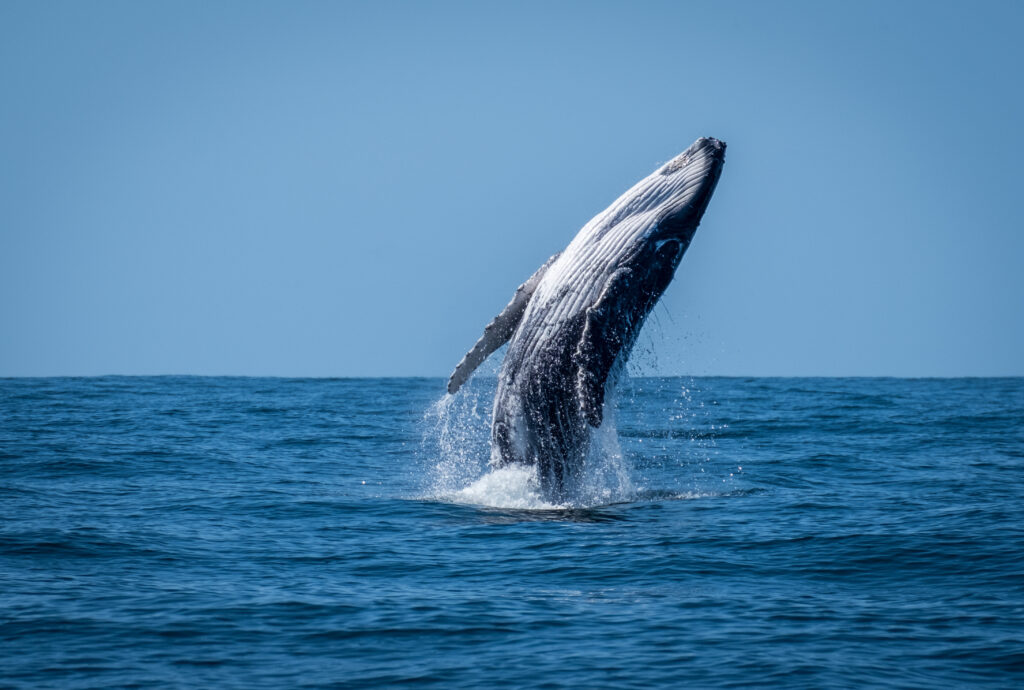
[{"x": 197, "y": 532}]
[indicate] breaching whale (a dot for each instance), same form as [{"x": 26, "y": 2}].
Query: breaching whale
[{"x": 570, "y": 327}]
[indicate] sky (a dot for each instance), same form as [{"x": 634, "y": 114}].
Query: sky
[{"x": 356, "y": 189}]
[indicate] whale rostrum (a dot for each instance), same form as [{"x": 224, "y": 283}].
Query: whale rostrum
[{"x": 571, "y": 326}]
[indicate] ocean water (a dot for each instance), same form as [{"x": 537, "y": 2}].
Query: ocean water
[{"x": 268, "y": 533}]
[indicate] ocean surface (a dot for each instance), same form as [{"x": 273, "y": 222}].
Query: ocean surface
[{"x": 271, "y": 533}]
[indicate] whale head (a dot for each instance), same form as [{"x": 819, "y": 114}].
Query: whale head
[
  {"x": 666, "y": 205},
  {"x": 685, "y": 185}
]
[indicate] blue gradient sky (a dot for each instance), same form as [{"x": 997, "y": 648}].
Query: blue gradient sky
[{"x": 356, "y": 189}]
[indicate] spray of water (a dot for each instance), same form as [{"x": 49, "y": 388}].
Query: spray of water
[{"x": 456, "y": 444}]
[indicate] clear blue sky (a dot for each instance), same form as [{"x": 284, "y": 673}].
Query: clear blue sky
[{"x": 349, "y": 189}]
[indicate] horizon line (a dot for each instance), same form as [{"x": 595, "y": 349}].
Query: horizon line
[{"x": 6, "y": 377}]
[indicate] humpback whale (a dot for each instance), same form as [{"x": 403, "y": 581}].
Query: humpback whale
[{"x": 571, "y": 326}]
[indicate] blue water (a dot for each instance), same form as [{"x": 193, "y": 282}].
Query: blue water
[{"x": 276, "y": 533}]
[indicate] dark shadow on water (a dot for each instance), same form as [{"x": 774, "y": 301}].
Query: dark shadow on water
[
  {"x": 506, "y": 516},
  {"x": 499, "y": 516}
]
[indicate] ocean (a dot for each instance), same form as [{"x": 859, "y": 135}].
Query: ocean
[{"x": 736, "y": 532}]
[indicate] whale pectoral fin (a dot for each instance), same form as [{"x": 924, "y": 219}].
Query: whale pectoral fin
[
  {"x": 615, "y": 319},
  {"x": 498, "y": 331},
  {"x": 604, "y": 334}
]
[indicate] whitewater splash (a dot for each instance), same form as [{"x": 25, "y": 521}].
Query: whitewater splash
[
  {"x": 457, "y": 445},
  {"x": 514, "y": 487}
]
